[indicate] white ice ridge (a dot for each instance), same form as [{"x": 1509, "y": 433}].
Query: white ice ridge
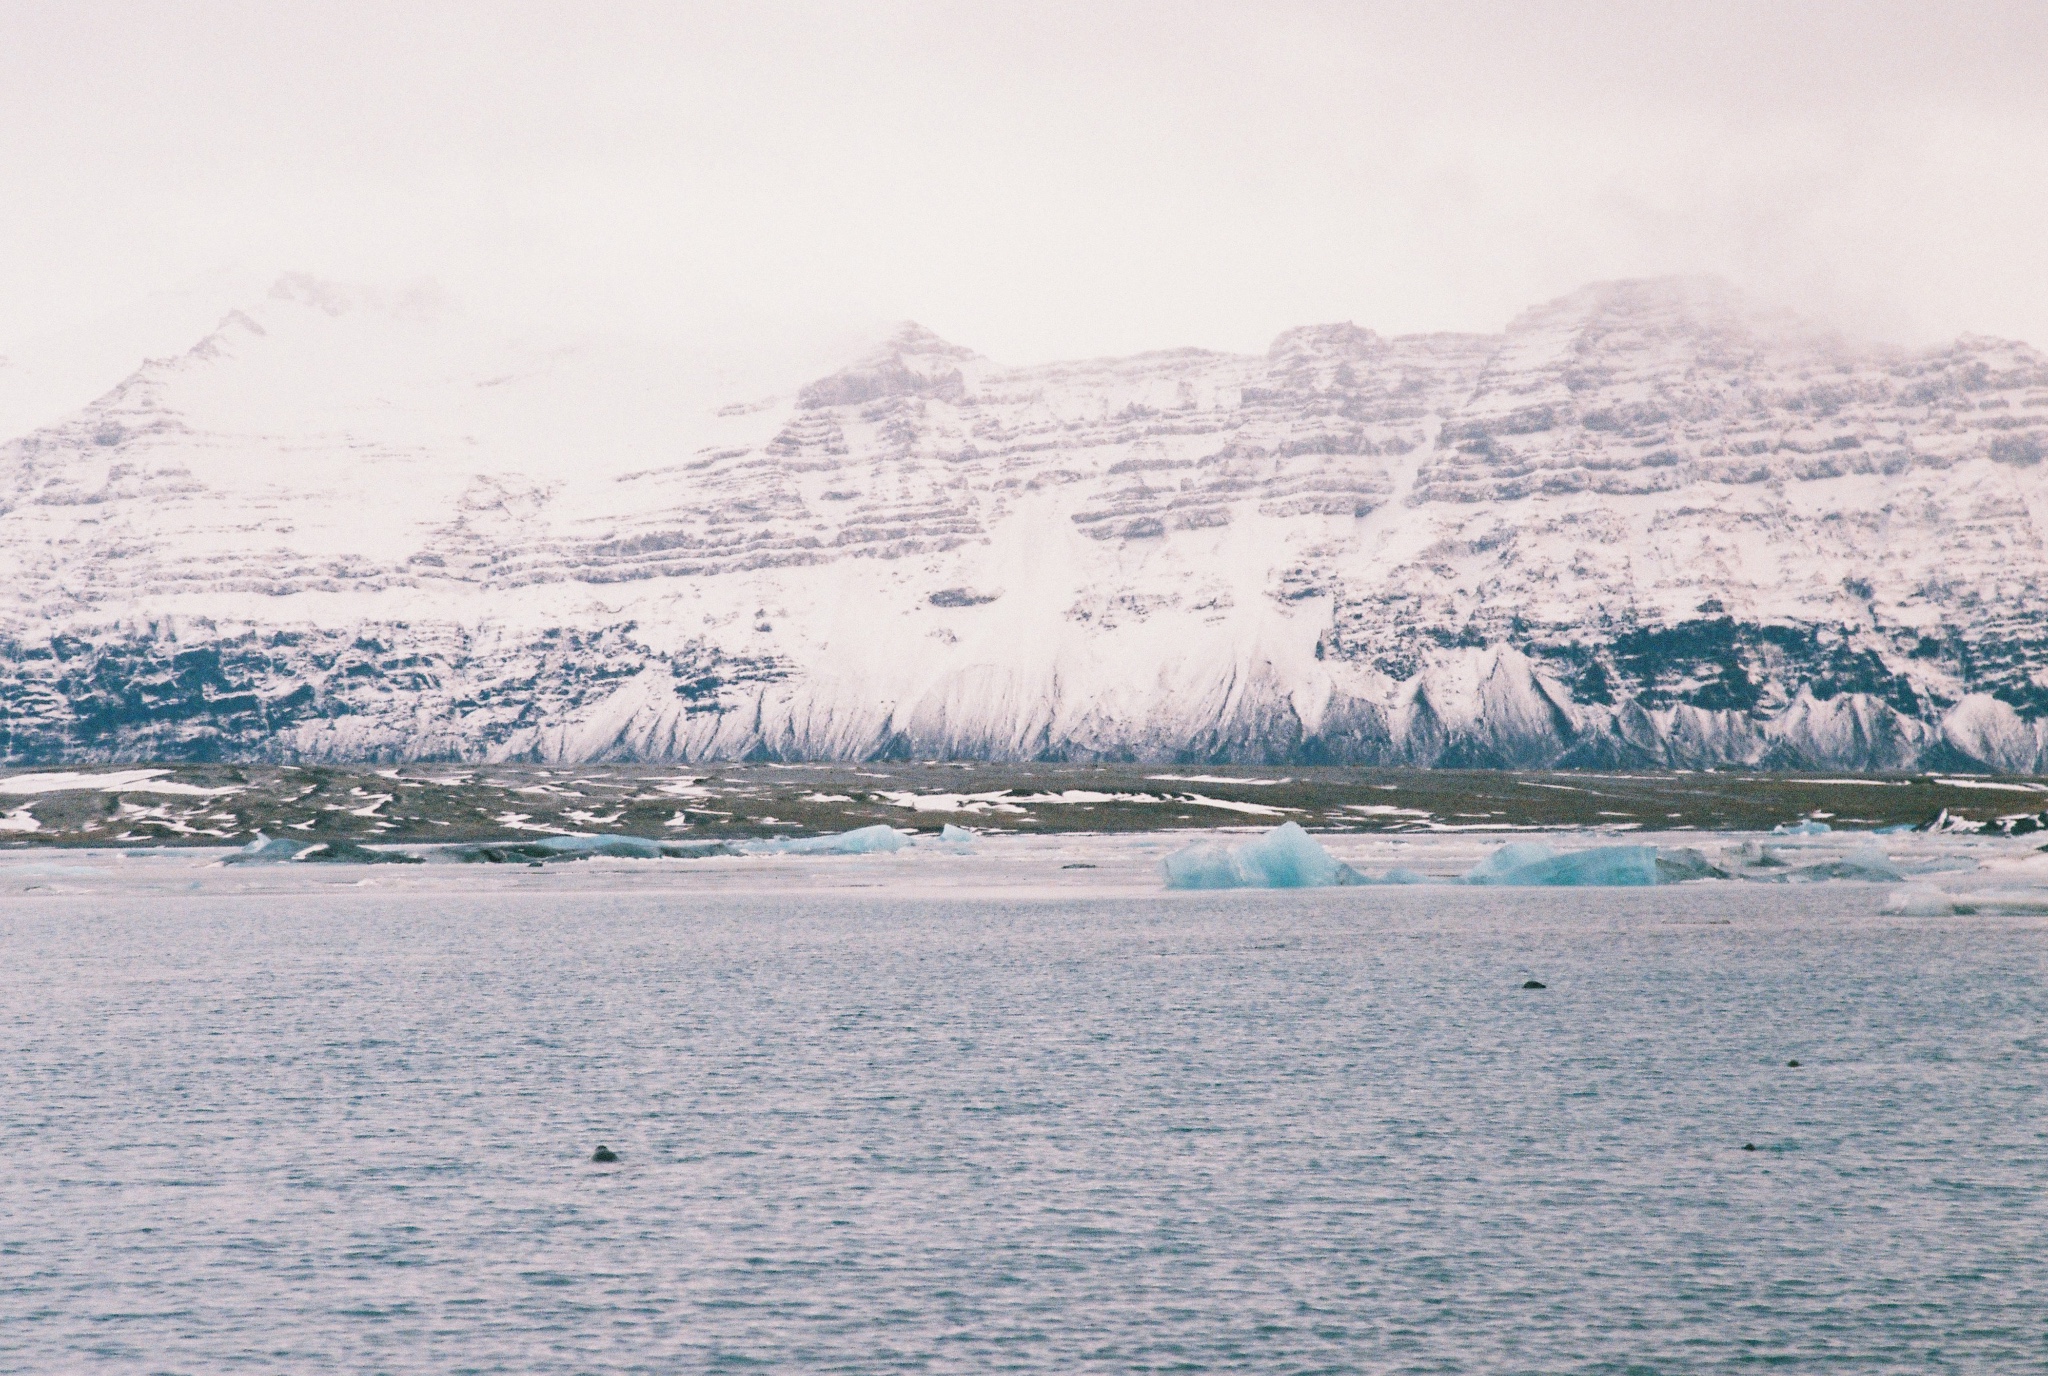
[{"x": 1646, "y": 524}]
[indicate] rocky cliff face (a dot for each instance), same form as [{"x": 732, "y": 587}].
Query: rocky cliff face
[{"x": 1645, "y": 525}]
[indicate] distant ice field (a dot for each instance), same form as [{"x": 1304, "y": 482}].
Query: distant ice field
[{"x": 997, "y": 1114}]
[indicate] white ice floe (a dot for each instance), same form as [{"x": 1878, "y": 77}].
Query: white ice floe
[{"x": 1917, "y": 900}]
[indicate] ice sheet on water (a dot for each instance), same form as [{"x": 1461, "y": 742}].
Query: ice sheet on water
[
  {"x": 1284, "y": 858},
  {"x": 1531, "y": 863},
  {"x": 1919, "y": 900},
  {"x": 1809, "y": 827}
]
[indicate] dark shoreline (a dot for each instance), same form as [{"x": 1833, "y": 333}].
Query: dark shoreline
[{"x": 425, "y": 803}]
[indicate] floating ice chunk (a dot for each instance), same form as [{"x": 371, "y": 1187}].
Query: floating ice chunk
[
  {"x": 2011, "y": 902},
  {"x": 1870, "y": 865},
  {"x": 1809, "y": 827},
  {"x": 1681, "y": 864},
  {"x": 1937, "y": 864},
  {"x": 1205, "y": 865},
  {"x": 619, "y": 847},
  {"x": 1284, "y": 858},
  {"x": 1521, "y": 863},
  {"x": 955, "y": 838},
  {"x": 1917, "y": 900},
  {"x": 875, "y": 840},
  {"x": 1401, "y": 874}
]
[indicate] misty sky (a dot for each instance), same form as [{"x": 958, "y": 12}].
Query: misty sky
[{"x": 1038, "y": 181}]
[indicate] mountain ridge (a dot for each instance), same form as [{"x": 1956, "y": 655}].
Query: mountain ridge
[{"x": 1647, "y": 524}]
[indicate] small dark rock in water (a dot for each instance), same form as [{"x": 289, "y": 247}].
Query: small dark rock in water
[
  {"x": 1793, "y": 1064},
  {"x": 604, "y": 1156},
  {"x": 1083, "y": 865},
  {"x": 1535, "y": 984},
  {"x": 1749, "y": 1146}
]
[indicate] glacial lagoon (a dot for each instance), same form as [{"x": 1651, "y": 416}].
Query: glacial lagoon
[{"x": 1015, "y": 1108}]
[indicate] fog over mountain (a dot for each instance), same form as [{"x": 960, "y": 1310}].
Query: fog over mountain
[{"x": 1648, "y": 523}]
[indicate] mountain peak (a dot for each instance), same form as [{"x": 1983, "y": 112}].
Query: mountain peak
[
  {"x": 1702, "y": 298},
  {"x": 910, "y": 361},
  {"x": 909, "y": 337},
  {"x": 1343, "y": 340}
]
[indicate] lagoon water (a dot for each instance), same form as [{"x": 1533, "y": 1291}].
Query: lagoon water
[{"x": 876, "y": 1131}]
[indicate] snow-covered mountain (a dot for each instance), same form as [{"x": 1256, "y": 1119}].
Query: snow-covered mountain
[{"x": 1647, "y": 524}]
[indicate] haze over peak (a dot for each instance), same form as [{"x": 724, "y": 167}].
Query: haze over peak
[{"x": 1067, "y": 182}]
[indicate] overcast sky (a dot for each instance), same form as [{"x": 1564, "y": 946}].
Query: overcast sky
[{"x": 1038, "y": 181}]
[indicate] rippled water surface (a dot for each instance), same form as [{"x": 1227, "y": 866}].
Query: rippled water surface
[{"x": 877, "y": 1132}]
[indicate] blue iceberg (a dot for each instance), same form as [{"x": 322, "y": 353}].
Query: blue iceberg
[
  {"x": 622, "y": 847},
  {"x": 1284, "y": 858},
  {"x": 1809, "y": 827},
  {"x": 1531, "y": 863},
  {"x": 950, "y": 837},
  {"x": 875, "y": 840}
]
